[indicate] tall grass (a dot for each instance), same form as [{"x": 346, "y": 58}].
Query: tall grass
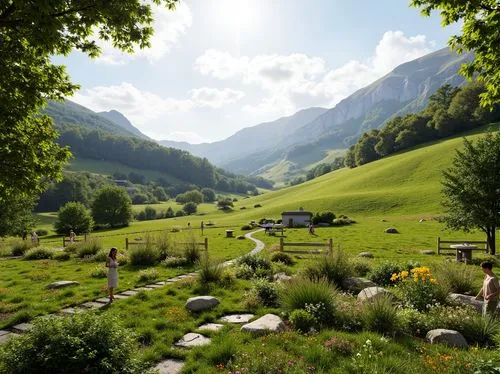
[
  {"x": 481, "y": 330},
  {"x": 457, "y": 278},
  {"x": 380, "y": 316},
  {"x": 38, "y": 253},
  {"x": 88, "y": 248},
  {"x": 144, "y": 254},
  {"x": 19, "y": 247},
  {"x": 164, "y": 245},
  {"x": 210, "y": 271},
  {"x": 191, "y": 250},
  {"x": 335, "y": 269}
]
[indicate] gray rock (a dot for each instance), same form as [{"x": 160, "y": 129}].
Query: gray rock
[
  {"x": 153, "y": 286},
  {"x": 237, "y": 318},
  {"x": 6, "y": 337},
  {"x": 372, "y": 293},
  {"x": 265, "y": 324},
  {"x": 93, "y": 305},
  {"x": 211, "y": 326},
  {"x": 196, "y": 304},
  {"x": 366, "y": 254},
  {"x": 3, "y": 332},
  {"x": 391, "y": 230},
  {"x": 169, "y": 366},
  {"x": 451, "y": 338},
  {"x": 192, "y": 340},
  {"x": 129, "y": 293},
  {"x": 355, "y": 284},
  {"x": 62, "y": 284},
  {"x": 427, "y": 252},
  {"x": 71, "y": 310},
  {"x": 138, "y": 289},
  {"x": 467, "y": 300},
  {"x": 160, "y": 283},
  {"x": 281, "y": 277},
  {"x": 23, "y": 327}
]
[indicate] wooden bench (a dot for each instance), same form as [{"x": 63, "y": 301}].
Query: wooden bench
[{"x": 462, "y": 248}]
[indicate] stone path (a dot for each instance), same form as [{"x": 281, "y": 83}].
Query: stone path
[{"x": 169, "y": 366}]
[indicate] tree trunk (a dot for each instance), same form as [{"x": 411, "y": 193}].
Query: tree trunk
[{"x": 490, "y": 238}]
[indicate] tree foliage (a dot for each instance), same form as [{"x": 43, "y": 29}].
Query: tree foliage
[
  {"x": 190, "y": 207},
  {"x": 471, "y": 188},
  {"x": 73, "y": 216},
  {"x": 16, "y": 216},
  {"x": 112, "y": 206},
  {"x": 480, "y": 24}
]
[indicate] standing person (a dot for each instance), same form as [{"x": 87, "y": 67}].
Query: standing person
[
  {"x": 112, "y": 265},
  {"x": 34, "y": 239},
  {"x": 311, "y": 228},
  {"x": 490, "y": 290},
  {"x": 72, "y": 236},
  {"x": 202, "y": 226}
]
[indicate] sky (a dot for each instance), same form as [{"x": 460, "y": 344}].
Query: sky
[{"x": 217, "y": 66}]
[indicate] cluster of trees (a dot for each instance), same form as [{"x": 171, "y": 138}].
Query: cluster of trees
[
  {"x": 323, "y": 168},
  {"x": 449, "y": 111}
]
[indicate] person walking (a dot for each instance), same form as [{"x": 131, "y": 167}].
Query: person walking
[
  {"x": 72, "y": 236},
  {"x": 34, "y": 239},
  {"x": 490, "y": 291},
  {"x": 112, "y": 266}
]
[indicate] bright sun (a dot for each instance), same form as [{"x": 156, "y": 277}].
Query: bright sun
[{"x": 238, "y": 14}]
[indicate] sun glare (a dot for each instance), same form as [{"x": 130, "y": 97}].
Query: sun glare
[{"x": 238, "y": 14}]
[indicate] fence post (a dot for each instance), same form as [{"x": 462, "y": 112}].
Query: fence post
[
  {"x": 64, "y": 242},
  {"x": 330, "y": 246},
  {"x": 206, "y": 244},
  {"x": 281, "y": 244},
  {"x": 438, "y": 244},
  {"x": 126, "y": 244}
]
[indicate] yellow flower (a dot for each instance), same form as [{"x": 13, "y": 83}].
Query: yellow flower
[
  {"x": 394, "y": 277},
  {"x": 404, "y": 274}
]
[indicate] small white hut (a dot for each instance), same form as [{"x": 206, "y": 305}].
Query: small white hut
[{"x": 296, "y": 218}]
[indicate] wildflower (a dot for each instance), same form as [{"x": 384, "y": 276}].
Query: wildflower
[
  {"x": 404, "y": 274},
  {"x": 394, "y": 277}
]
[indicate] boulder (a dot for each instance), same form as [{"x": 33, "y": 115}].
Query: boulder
[
  {"x": 62, "y": 284},
  {"x": 192, "y": 340},
  {"x": 281, "y": 277},
  {"x": 169, "y": 366},
  {"x": 467, "y": 300},
  {"x": 372, "y": 293},
  {"x": 355, "y": 284},
  {"x": 265, "y": 324},
  {"x": 366, "y": 254},
  {"x": 391, "y": 230},
  {"x": 237, "y": 318},
  {"x": 199, "y": 303},
  {"x": 451, "y": 338}
]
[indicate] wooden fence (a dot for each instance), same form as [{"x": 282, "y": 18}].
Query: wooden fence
[
  {"x": 203, "y": 244},
  {"x": 328, "y": 244},
  {"x": 482, "y": 245},
  {"x": 68, "y": 240}
]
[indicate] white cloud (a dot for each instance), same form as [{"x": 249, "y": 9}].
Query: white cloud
[
  {"x": 215, "y": 98},
  {"x": 296, "y": 81},
  {"x": 168, "y": 26}
]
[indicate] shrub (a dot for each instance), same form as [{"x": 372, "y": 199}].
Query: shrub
[
  {"x": 180, "y": 213},
  {"x": 302, "y": 321},
  {"x": 255, "y": 262},
  {"x": 380, "y": 316},
  {"x": 266, "y": 292},
  {"x": 73, "y": 216},
  {"x": 324, "y": 217},
  {"x": 360, "y": 268},
  {"x": 335, "y": 269},
  {"x": 481, "y": 330},
  {"x": 72, "y": 248},
  {"x": 148, "y": 275},
  {"x": 210, "y": 271},
  {"x": 303, "y": 293},
  {"x": 257, "y": 206},
  {"x": 283, "y": 258},
  {"x": 173, "y": 262},
  {"x": 340, "y": 346},
  {"x": 244, "y": 271},
  {"x": 19, "y": 247},
  {"x": 98, "y": 272},
  {"x": 457, "y": 278},
  {"x": 191, "y": 250},
  {"x": 88, "y": 248},
  {"x": 246, "y": 227},
  {"x": 95, "y": 343},
  {"x": 39, "y": 253},
  {"x": 41, "y": 232},
  {"x": 163, "y": 244},
  {"x": 342, "y": 221},
  {"x": 413, "y": 322},
  {"x": 62, "y": 256},
  {"x": 254, "y": 266},
  {"x": 382, "y": 274},
  {"x": 144, "y": 255},
  {"x": 190, "y": 207}
]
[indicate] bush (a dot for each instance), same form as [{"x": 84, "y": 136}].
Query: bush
[
  {"x": 324, "y": 217},
  {"x": 246, "y": 227},
  {"x": 84, "y": 342},
  {"x": 38, "y": 253},
  {"x": 266, "y": 292},
  {"x": 148, "y": 275},
  {"x": 382, "y": 274},
  {"x": 73, "y": 216},
  {"x": 101, "y": 255},
  {"x": 380, "y": 316},
  {"x": 191, "y": 250},
  {"x": 244, "y": 271},
  {"x": 62, "y": 256},
  {"x": 340, "y": 346},
  {"x": 88, "y": 248},
  {"x": 335, "y": 268},
  {"x": 112, "y": 206},
  {"x": 190, "y": 208},
  {"x": 255, "y": 262},
  {"x": 41, "y": 232},
  {"x": 144, "y": 255},
  {"x": 210, "y": 271},
  {"x": 19, "y": 247},
  {"x": 284, "y": 258},
  {"x": 457, "y": 278},
  {"x": 304, "y": 294},
  {"x": 302, "y": 321},
  {"x": 98, "y": 272},
  {"x": 360, "y": 268},
  {"x": 173, "y": 262},
  {"x": 163, "y": 244},
  {"x": 254, "y": 266},
  {"x": 180, "y": 213},
  {"x": 257, "y": 206},
  {"x": 342, "y": 221},
  {"x": 72, "y": 248},
  {"x": 481, "y": 330}
]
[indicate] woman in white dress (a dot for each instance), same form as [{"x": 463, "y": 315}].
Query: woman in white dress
[{"x": 112, "y": 266}]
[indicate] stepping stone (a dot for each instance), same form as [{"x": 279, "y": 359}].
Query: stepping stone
[
  {"x": 3, "y": 332},
  {"x": 265, "y": 324},
  {"x": 211, "y": 327},
  {"x": 142, "y": 289},
  {"x": 24, "y": 327},
  {"x": 153, "y": 286},
  {"x": 62, "y": 284},
  {"x": 237, "y": 318},
  {"x": 103, "y": 300},
  {"x": 451, "y": 338},
  {"x": 196, "y": 304},
  {"x": 129, "y": 293},
  {"x": 120, "y": 297},
  {"x": 161, "y": 283},
  {"x": 93, "y": 305},
  {"x": 169, "y": 366},
  {"x": 6, "y": 337},
  {"x": 171, "y": 280},
  {"x": 192, "y": 339},
  {"x": 71, "y": 310}
]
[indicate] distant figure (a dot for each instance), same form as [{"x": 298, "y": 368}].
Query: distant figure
[
  {"x": 311, "y": 229},
  {"x": 112, "y": 265},
  {"x": 490, "y": 290},
  {"x": 72, "y": 236},
  {"x": 34, "y": 238},
  {"x": 189, "y": 225},
  {"x": 24, "y": 234},
  {"x": 202, "y": 226}
]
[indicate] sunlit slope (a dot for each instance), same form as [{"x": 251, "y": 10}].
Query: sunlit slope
[{"x": 406, "y": 183}]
